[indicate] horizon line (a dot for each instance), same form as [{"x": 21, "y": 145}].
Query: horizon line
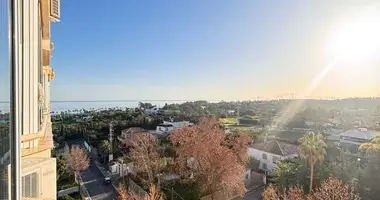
[{"x": 210, "y": 100}]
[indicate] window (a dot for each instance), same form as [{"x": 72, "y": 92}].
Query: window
[
  {"x": 5, "y": 106},
  {"x": 264, "y": 156},
  {"x": 30, "y": 185},
  {"x": 275, "y": 159},
  {"x": 265, "y": 166},
  {"x": 40, "y": 67}
]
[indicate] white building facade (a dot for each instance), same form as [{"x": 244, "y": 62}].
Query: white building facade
[
  {"x": 167, "y": 127},
  {"x": 32, "y": 167},
  {"x": 270, "y": 153}
]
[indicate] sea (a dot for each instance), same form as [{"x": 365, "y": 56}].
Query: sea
[{"x": 72, "y": 106}]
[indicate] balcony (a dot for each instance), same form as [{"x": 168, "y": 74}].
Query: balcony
[
  {"x": 43, "y": 144},
  {"x": 38, "y": 142}
]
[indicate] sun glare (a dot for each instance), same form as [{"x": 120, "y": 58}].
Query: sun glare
[{"x": 358, "y": 40}]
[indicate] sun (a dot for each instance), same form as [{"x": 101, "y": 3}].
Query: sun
[{"x": 358, "y": 40}]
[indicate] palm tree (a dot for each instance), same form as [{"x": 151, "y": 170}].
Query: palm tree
[
  {"x": 312, "y": 148},
  {"x": 105, "y": 147}
]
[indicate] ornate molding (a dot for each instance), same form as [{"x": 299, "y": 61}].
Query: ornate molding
[
  {"x": 41, "y": 96},
  {"x": 50, "y": 72}
]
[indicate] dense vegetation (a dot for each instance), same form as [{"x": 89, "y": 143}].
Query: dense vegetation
[
  {"x": 282, "y": 120},
  {"x": 284, "y": 114}
]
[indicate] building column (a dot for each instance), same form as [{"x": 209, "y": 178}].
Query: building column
[
  {"x": 30, "y": 70},
  {"x": 46, "y": 86}
]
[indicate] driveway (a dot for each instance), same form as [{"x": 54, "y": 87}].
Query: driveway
[{"x": 93, "y": 180}]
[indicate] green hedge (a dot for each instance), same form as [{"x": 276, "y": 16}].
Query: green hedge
[
  {"x": 66, "y": 181},
  {"x": 245, "y": 120}
]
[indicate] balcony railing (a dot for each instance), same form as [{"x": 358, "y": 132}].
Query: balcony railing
[{"x": 44, "y": 138}]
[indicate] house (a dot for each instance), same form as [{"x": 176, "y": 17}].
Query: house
[
  {"x": 119, "y": 168},
  {"x": 127, "y": 135},
  {"x": 352, "y": 139},
  {"x": 151, "y": 111},
  {"x": 333, "y": 134},
  {"x": 269, "y": 153},
  {"x": 167, "y": 127}
]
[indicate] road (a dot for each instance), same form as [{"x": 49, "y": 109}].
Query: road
[
  {"x": 254, "y": 195},
  {"x": 93, "y": 180}
]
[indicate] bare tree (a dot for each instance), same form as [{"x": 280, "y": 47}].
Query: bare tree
[
  {"x": 334, "y": 189},
  {"x": 124, "y": 195},
  {"x": 77, "y": 161},
  {"x": 293, "y": 193},
  {"x": 270, "y": 193},
  {"x": 155, "y": 193},
  {"x": 144, "y": 154},
  {"x": 330, "y": 189},
  {"x": 204, "y": 158}
]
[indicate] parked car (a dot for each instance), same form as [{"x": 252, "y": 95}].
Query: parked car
[{"x": 107, "y": 180}]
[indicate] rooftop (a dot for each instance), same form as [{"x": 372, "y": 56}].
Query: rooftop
[
  {"x": 276, "y": 147},
  {"x": 132, "y": 130},
  {"x": 359, "y": 134}
]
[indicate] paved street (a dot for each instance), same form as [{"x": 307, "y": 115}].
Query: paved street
[
  {"x": 254, "y": 195},
  {"x": 93, "y": 180}
]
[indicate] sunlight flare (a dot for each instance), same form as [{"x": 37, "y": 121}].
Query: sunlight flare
[{"x": 358, "y": 40}]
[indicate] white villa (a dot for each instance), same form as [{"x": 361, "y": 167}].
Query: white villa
[
  {"x": 167, "y": 127},
  {"x": 269, "y": 153}
]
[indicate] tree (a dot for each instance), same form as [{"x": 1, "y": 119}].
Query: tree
[
  {"x": 369, "y": 179},
  {"x": 124, "y": 195},
  {"x": 312, "y": 148},
  {"x": 238, "y": 143},
  {"x": 66, "y": 197},
  {"x": 270, "y": 193},
  {"x": 77, "y": 161},
  {"x": 372, "y": 146},
  {"x": 294, "y": 193},
  {"x": 145, "y": 156},
  {"x": 253, "y": 164},
  {"x": 61, "y": 166},
  {"x": 204, "y": 158},
  {"x": 105, "y": 147},
  {"x": 330, "y": 189},
  {"x": 154, "y": 193},
  {"x": 143, "y": 105},
  {"x": 334, "y": 189},
  {"x": 290, "y": 173}
]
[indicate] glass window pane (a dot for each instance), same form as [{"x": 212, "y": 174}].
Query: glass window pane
[{"x": 4, "y": 99}]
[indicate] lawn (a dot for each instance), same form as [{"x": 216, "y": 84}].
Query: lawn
[{"x": 229, "y": 120}]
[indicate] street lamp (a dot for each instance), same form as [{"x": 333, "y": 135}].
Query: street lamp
[{"x": 358, "y": 162}]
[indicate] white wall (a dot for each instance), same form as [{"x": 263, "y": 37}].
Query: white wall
[
  {"x": 258, "y": 154},
  {"x": 30, "y": 60},
  {"x": 163, "y": 129},
  {"x": 120, "y": 169}
]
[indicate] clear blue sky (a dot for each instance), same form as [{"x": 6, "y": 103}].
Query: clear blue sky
[{"x": 212, "y": 49}]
